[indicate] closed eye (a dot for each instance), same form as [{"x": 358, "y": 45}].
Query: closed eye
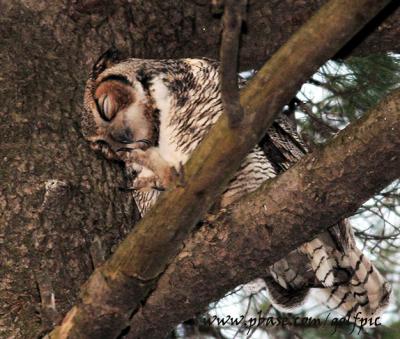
[
  {"x": 106, "y": 107},
  {"x": 111, "y": 96}
]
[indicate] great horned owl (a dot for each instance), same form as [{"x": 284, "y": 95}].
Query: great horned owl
[{"x": 153, "y": 113}]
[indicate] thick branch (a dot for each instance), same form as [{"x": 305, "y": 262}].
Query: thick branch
[
  {"x": 117, "y": 287},
  {"x": 323, "y": 188}
]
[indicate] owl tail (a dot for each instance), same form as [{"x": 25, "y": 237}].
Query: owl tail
[
  {"x": 344, "y": 278},
  {"x": 350, "y": 284},
  {"x": 285, "y": 299},
  {"x": 365, "y": 295}
]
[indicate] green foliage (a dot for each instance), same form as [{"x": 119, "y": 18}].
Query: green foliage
[
  {"x": 368, "y": 80},
  {"x": 341, "y": 92}
]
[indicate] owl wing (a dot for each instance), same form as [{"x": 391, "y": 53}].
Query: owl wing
[{"x": 277, "y": 151}]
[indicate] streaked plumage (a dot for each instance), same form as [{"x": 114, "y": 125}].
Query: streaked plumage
[{"x": 165, "y": 108}]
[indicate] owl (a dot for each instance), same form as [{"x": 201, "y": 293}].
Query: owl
[{"x": 151, "y": 115}]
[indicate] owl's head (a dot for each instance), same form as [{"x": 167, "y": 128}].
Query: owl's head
[{"x": 118, "y": 108}]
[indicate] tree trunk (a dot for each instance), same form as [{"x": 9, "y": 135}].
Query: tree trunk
[{"x": 55, "y": 195}]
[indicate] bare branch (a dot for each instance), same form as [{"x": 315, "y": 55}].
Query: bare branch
[{"x": 233, "y": 16}]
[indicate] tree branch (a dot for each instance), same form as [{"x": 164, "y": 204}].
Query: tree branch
[
  {"x": 233, "y": 16},
  {"x": 321, "y": 189},
  {"x": 116, "y": 288}
]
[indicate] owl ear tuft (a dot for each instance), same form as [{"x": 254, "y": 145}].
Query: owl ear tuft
[{"x": 106, "y": 60}]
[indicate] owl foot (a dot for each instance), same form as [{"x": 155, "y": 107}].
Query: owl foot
[
  {"x": 168, "y": 177},
  {"x": 171, "y": 178}
]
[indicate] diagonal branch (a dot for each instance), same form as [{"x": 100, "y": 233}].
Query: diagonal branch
[
  {"x": 116, "y": 288},
  {"x": 321, "y": 189}
]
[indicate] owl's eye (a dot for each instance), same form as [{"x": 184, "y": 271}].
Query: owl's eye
[
  {"x": 112, "y": 96},
  {"x": 107, "y": 107}
]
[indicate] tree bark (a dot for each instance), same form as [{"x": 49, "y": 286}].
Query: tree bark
[
  {"x": 321, "y": 189},
  {"x": 49, "y": 242},
  {"x": 55, "y": 195}
]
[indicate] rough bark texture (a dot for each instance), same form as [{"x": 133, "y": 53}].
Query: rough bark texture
[
  {"x": 55, "y": 195},
  {"x": 188, "y": 28},
  {"x": 46, "y": 50},
  {"x": 331, "y": 183}
]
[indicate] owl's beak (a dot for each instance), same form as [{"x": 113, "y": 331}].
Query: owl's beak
[{"x": 122, "y": 136}]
